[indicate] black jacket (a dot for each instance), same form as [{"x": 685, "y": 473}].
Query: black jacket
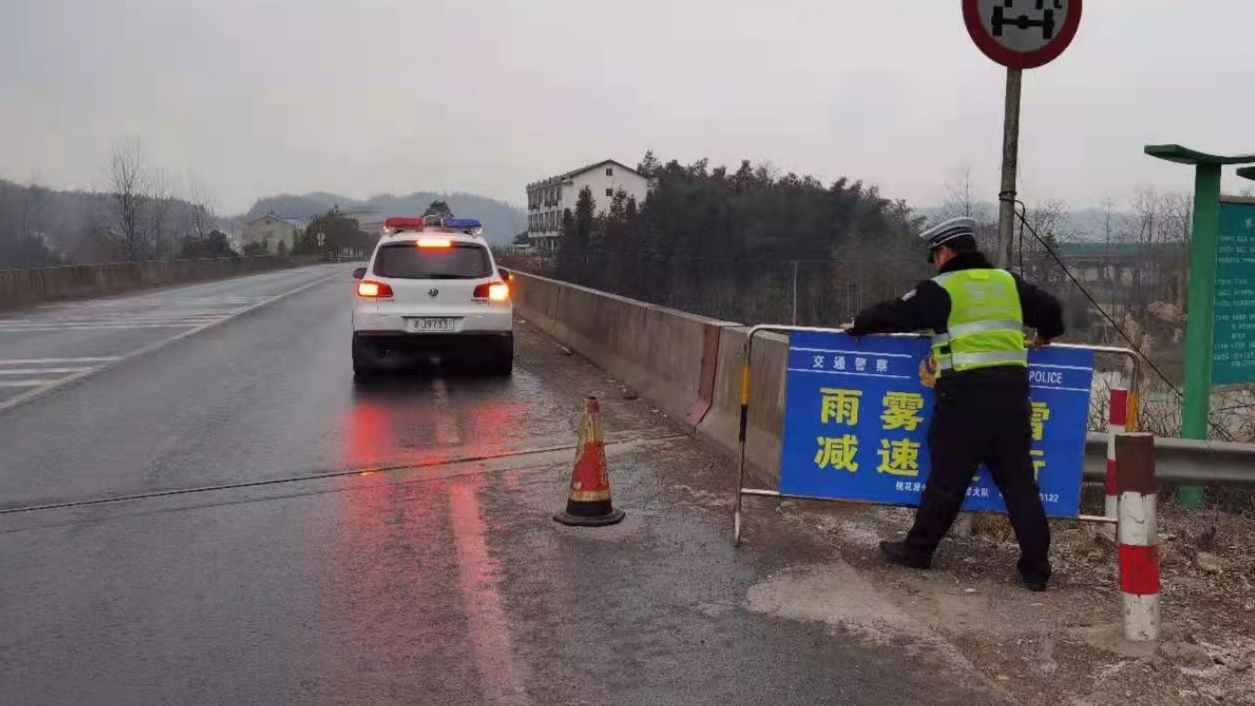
[{"x": 928, "y": 306}]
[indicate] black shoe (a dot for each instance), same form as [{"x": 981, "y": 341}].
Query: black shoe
[
  {"x": 1035, "y": 575},
  {"x": 1034, "y": 583},
  {"x": 898, "y": 553}
]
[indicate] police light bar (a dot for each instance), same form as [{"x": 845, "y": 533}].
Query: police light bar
[
  {"x": 470, "y": 226},
  {"x": 397, "y": 224}
]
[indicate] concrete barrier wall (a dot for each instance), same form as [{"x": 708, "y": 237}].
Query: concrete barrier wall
[
  {"x": 21, "y": 288},
  {"x": 765, "y": 419},
  {"x": 667, "y": 356},
  {"x": 691, "y": 367}
]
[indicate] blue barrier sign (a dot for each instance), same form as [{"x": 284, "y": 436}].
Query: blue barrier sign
[{"x": 857, "y": 414}]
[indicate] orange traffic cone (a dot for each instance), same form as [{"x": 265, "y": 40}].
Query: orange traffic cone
[{"x": 588, "y": 500}]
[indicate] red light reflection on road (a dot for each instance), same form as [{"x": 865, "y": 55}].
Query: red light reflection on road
[
  {"x": 501, "y": 677},
  {"x": 366, "y": 435},
  {"x": 400, "y": 431}
]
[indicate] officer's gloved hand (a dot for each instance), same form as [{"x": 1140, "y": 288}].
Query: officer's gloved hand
[{"x": 1038, "y": 342}]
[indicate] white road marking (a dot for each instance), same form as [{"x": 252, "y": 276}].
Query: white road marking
[
  {"x": 124, "y": 316},
  {"x": 447, "y": 432},
  {"x": 501, "y": 676},
  {"x": 39, "y": 371},
  {"x": 153, "y": 311},
  {"x": 103, "y": 327},
  {"x": 111, "y": 321},
  {"x": 26, "y": 383},
  {"x": 54, "y": 361},
  {"x": 46, "y": 386}
]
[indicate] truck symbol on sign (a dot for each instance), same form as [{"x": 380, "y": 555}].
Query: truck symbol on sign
[{"x": 1047, "y": 21}]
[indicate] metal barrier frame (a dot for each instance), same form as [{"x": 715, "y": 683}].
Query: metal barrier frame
[{"x": 748, "y": 353}]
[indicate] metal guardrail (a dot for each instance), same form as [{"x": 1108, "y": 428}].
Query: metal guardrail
[{"x": 1183, "y": 461}]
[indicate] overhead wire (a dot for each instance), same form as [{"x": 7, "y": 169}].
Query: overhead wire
[{"x": 1021, "y": 213}]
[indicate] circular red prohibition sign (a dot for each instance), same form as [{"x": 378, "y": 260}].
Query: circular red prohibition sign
[{"x": 1022, "y": 34}]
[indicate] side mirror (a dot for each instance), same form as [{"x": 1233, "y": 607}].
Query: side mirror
[{"x": 359, "y": 273}]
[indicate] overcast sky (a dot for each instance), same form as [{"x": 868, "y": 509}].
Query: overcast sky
[{"x": 256, "y": 97}]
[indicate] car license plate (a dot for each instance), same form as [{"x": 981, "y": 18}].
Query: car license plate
[{"x": 431, "y": 325}]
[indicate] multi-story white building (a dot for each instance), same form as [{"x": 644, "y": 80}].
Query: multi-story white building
[
  {"x": 272, "y": 231},
  {"x": 548, "y": 198}
]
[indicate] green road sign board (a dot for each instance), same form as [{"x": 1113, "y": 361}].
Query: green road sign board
[{"x": 1233, "y": 338}]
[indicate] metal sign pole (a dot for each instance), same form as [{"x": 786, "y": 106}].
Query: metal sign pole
[
  {"x": 1202, "y": 307},
  {"x": 1018, "y": 34},
  {"x": 1010, "y": 166}
]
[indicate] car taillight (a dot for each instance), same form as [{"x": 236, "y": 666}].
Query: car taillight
[
  {"x": 374, "y": 290},
  {"x": 494, "y": 292}
]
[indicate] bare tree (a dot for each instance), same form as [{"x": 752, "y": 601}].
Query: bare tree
[
  {"x": 1148, "y": 215},
  {"x": 1151, "y": 229},
  {"x": 199, "y": 218},
  {"x": 1178, "y": 212},
  {"x": 1111, "y": 234},
  {"x": 139, "y": 203},
  {"x": 1051, "y": 219},
  {"x": 1178, "y": 226},
  {"x": 163, "y": 198},
  {"x": 961, "y": 200},
  {"x": 128, "y": 199},
  {"x": 960, "y": 195}
]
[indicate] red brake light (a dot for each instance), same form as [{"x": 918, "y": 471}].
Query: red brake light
[
  {"x": 374, "y": 290},
  {"x": 494, "y": 291}
]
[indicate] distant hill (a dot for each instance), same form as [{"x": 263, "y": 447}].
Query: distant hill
[
  {"x": 501, "y": 220},
  {"x": 1086, "y": 224}
]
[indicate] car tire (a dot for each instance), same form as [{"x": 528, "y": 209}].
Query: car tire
[
  {"x": 502, "y": 362},
  {"x": 363, "y": 362}
]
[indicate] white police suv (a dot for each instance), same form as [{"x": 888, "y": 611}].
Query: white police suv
[{"x": 432, "y": 286}]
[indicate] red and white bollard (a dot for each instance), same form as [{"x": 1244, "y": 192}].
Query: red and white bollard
[
  {"x": 1117, "y": 422},
  {"x": 1139, "y": 536}
]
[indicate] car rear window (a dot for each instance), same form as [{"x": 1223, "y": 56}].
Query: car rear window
[{"x": 408, "y": 261}]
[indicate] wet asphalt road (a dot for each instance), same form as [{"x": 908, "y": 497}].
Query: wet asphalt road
[
  {"x": 389, "y": 544},
  {"x": 50, "y": 345}
]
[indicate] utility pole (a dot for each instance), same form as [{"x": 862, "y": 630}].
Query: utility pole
[{"x": 1010, "y": 165}]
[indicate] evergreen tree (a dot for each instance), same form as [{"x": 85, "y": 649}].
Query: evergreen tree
[
  {"x": 722, "y": 243},
  {"x": 439, "y": 208}
]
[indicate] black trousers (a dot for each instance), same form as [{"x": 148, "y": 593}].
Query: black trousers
[{"x": 983, "y": 416}]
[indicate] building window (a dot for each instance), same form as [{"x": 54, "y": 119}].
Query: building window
[
  {"x": 609, "y": 171},
  {"x": 609, "y": 192}
]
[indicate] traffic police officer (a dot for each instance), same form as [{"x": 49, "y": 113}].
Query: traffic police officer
[{"x": 976, "y": 316}]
